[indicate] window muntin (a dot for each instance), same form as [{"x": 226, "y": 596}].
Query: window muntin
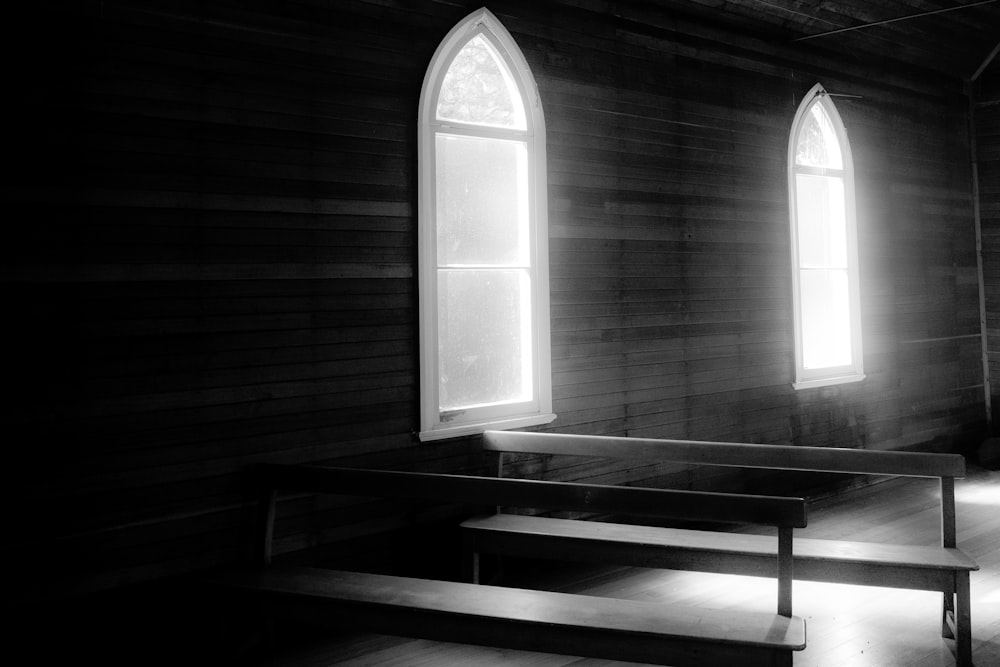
[
  {"x": 826, "y": 293},
  {"x": 482, "y": 237}
]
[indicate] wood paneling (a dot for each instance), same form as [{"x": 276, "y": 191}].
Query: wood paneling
[
  {"x": 210, "y": 256},
  {"x": 986, "y": 110}
]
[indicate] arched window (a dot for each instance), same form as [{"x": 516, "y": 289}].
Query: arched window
[
  {"x": 826, "y": 294},
  {"x": 483, "y": 237}
]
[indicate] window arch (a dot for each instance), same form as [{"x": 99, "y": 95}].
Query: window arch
[
  {"x": 482, "y": 237},
  {"x": 824, "y": 244}
]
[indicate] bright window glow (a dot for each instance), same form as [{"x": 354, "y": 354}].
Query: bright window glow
[
  {"x": 484, "y": 357},
  {"x": 824, "y": 247},
  {"x": 817, "y": 144},
  {"x": 822, "y": 221},
  {"x": 482, "y": 201},
  {"x": 826, "y": 319},
  {"x": 479, "y": 89},
  {"x": 484, "y": 345}
]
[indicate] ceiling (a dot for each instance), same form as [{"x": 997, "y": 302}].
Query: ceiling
[{"x": 955, "y": 38}]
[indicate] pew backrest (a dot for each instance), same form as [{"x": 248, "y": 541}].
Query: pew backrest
[
  {"x": 945, "y": 467},
  {"x": 773, "y": 457},
  {"x": 694, "y": 506}
]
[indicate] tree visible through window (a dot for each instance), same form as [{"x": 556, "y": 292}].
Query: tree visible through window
[
  {"x": 824, "y": 247},
  {"x": 483, "y": 245}
]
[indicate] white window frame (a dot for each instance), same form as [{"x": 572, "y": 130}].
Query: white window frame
[
  {"x": 433, "y": 423},
  {"x": 854, "y": 372}
]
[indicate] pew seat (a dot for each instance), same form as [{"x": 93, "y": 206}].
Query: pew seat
[
  {"x": 862, "y": 563},
  {"x": 523, "y": 619}
]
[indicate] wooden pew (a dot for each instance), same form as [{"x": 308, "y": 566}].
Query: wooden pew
[
  {"x": 943, "y": 568},
  {"x": 518, "y": 618}
]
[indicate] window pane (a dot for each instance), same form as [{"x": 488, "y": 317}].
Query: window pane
[
  {"x": 822, "y": 221},
  {"x": 826, "y": 319},
  {"x": 484, "y": 321},
  {"x": 817, "y": 144},
  {"x": 478, "y": 89},
  {"x": 482, "y": 201}
]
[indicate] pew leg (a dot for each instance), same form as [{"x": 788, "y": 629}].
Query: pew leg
[
  {"x": 963, "y": 621},
  {"x": 470, "y": 560},
  {"x": 269, "y": 632},
  {"x": 782, "y": 659},
  {"x": 947, "y": 615}
]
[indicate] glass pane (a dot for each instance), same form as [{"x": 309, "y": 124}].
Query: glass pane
[
  {"x": 826, "y": 318},
  {"x": 478, "y": 88},
  {"x": 817, "y": 144},
  {"x": 822, "y": 221},
  {"x": 482, "y": 201},
  {"x": 483, "y": 342}
]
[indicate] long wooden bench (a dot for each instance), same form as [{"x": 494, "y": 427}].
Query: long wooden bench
[
  {"x": 533, "y": 620},
  {"x": 943, "y": 568}
]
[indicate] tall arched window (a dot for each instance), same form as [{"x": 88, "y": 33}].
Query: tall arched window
[
  {"x": 483, "y": 237},
  {"x": 826, "y": 293}
]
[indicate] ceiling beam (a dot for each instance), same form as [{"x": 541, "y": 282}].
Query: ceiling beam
[
  {"x": 894, "y": 20},
  {"x": 986, "y": 63}
]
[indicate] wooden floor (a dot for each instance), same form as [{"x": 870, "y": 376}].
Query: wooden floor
[{"x": 847, "y": 626}]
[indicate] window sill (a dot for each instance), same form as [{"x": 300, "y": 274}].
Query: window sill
[
  {"x": 827, "y": 382},
  {"x": 478, "y": 427}
]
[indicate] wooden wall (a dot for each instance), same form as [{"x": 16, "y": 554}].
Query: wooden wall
[
  {"x": 210, "y": 256},
  {"x": 986, "y": 98}
]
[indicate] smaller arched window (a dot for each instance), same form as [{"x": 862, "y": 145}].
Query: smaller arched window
[
  {"x": 824, "y": 244},
  {"x": 482, "y": 237}
]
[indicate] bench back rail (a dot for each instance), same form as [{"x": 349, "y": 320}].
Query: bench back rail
[{"x": 773, "y": 457}]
